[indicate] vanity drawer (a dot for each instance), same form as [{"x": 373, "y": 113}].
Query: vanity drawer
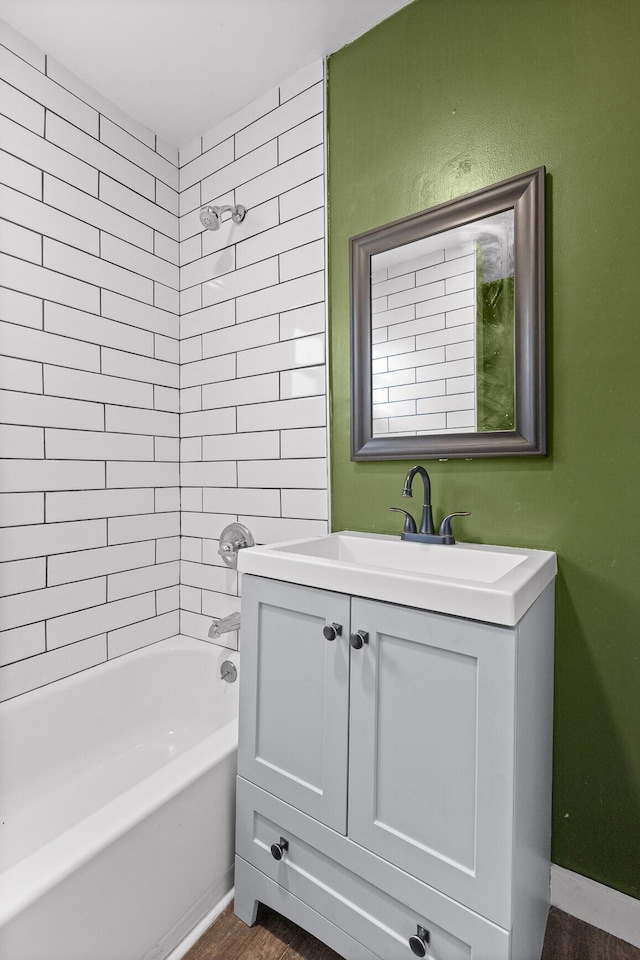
[{"x": 345, "y": 883}]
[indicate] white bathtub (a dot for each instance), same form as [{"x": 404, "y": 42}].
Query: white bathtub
[{"x": 117, "y": 806}]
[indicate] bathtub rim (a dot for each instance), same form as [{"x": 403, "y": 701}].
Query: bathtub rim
[
  {"x": 49, "y": 865},
  {"x": 179, "y": 641}
]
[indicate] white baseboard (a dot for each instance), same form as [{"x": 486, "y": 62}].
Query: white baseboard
[
  {"x": 596, "y": 904},
  {"x": 194, "y": 935}
]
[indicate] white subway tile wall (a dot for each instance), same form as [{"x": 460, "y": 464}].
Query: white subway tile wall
[
  {"x": 252, "y": 340},
  {"x": 89, "y": 337},
  {"x": 101, "y": 250}
]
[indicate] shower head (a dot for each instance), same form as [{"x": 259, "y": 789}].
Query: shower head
[{"x": 210, "y": 217}]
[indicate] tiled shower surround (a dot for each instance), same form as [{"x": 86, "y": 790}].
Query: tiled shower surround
[
  {"x": 252, "y": 347},
  {"x": 89, "y": 373}
]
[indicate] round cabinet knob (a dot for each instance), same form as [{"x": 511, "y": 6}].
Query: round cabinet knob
[
  {"x": 358, "y": 639},
  {"x": 278, "y": 849},
  {"x": 332, "y": 630},
  {"x": 419, "y": 941}
]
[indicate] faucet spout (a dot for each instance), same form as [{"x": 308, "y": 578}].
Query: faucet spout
[
  {"x": 224, "y": 625},
  {"x": 426, "y": 526}
]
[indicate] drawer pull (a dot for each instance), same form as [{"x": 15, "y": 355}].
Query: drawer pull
[
  {"x": 419, "y": 942},
  {"x": 358, "y": 640},
  {"x": 278, "y": 849},
  {"x": 332, "y": 630}
]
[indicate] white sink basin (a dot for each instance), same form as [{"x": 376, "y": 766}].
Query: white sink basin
[{"x": 496, "y": 584}]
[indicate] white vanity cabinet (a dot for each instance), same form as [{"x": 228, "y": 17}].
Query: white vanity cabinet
[{"x": 394, "y": 792}]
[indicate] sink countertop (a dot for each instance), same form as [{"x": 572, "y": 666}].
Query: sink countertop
[{"x": 477, "y": 581}]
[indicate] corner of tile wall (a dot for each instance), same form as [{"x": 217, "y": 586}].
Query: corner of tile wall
[{"x": 253, "y": 408}]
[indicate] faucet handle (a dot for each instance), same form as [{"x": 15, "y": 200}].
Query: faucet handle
[
  {"x": 445, "y": 527},
  {"x": 409, "y": 522}
]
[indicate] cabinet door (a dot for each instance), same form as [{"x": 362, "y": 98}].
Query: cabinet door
[
  {"x": 294, "y": 696},
  {"x": 431, "y": 750}
]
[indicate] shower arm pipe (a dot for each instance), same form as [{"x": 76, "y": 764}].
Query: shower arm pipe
[{"x": 237, "y": 212}]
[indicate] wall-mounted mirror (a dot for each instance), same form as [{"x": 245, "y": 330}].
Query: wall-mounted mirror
[{"x": 447, "y": 329}]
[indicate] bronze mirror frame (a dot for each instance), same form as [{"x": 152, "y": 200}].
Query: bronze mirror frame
[{"x": 525, "y": 194}]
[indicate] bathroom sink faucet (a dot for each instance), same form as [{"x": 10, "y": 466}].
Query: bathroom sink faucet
[
  {"x": 426, "y": 525},
  {"x": 426, "y": 532}
]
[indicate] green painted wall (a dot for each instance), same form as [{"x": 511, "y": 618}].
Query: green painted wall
[{"x": 445, "y": 97}]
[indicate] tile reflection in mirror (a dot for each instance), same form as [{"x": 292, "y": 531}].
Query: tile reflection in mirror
[{"x": 442, "y": 344}]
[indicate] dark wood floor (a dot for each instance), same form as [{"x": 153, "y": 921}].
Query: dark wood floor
[
  {"x": 275, "y": 938},
  {"x": 571, "y": 939}
]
